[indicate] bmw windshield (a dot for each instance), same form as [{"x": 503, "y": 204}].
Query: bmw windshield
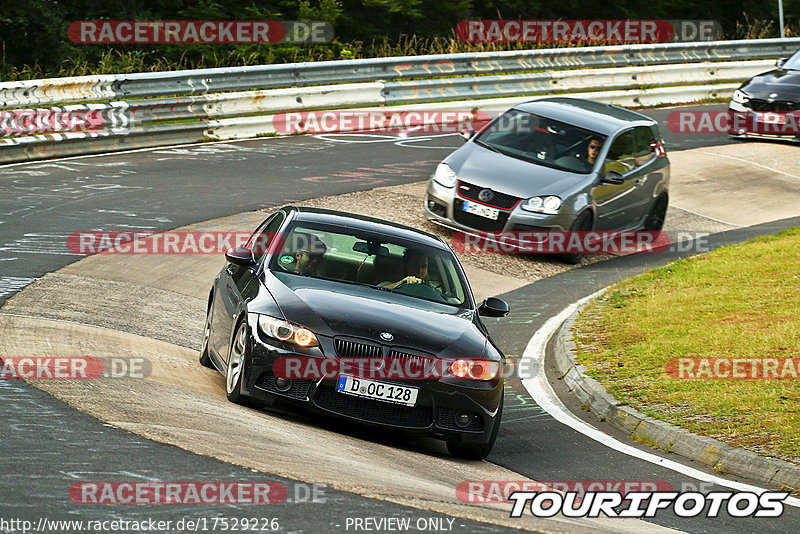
[
  {"x": 369, "y": 259},
  {"x": 542, "y": 141},
  {"x": 793, "y": 63}
]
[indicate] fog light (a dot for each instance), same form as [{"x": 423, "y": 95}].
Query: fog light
[
  {"x": 463, "y": 419},
  {"x": 281, "y": 384}
]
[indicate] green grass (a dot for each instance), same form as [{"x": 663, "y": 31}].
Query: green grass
[{"x": 738, "y": 301}]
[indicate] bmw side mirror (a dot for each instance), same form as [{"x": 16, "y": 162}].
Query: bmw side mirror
[
  {"x": 467, "y": 134},
  {"x": 240, "y": 256},
  {"x": 612, "y": 177},
  {"x": 493, "y": 307},
  {"x": 780, "y": 62}
]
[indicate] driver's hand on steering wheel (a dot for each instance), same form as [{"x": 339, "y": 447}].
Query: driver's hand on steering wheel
[{"x": 411, "y": 280}]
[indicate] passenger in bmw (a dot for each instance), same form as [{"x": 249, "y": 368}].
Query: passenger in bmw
[
  {"x": 416, "y": 270},
  {"x": 309, "y": 254}
]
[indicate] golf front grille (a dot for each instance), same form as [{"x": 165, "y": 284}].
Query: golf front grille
[{"x": 498, "y": 199}]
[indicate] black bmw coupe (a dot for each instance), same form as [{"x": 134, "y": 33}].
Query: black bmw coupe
[
  {"x": 357, "y": 318},
  {"x": 768, "y": 105}
]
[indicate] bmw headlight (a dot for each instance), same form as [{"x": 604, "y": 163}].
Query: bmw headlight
[
  {"x": 286, "y": 331},
  {"x": 445, "y": 176},
  {"x": 740, "y": 97},
  {"x": 549, "y": 205}
]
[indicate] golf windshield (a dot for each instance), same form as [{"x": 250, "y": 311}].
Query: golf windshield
[
  {"x": 370, "y": 259},
  {"x": 543, "y": 141}
]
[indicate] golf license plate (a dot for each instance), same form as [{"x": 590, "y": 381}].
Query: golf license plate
[
  {"x": 479, "y": 209},
  {"x": 372, "y": 389}
]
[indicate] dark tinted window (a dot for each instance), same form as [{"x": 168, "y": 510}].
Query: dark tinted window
[
  {"x": 263, "y": 236},
  {"x": 644, "y": 147},
  {"x": 793, "y": 63},
  {"x": 539, "y": 140},
  {"x": 363, "y": 258},
  {"x": 620, "y": 156}
]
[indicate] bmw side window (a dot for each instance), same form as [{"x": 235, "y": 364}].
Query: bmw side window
[
  {"x": 260, "y": 240},
  {"x": 620, "y": 156},
  {"x": 645, "y": 147}
]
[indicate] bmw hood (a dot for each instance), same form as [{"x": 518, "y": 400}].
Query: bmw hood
[
  {"x": 786, "y": 83},
  {"x": 338, "y": 309},
  {"x": 486, "y": 168}
]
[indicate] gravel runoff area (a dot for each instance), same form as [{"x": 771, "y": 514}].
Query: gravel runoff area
[{"x": 403, "y": 204}]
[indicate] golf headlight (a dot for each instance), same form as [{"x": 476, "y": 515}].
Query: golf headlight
[
  {"x": 739, "y": 97},
  {"x": 286, "y": 331},
  {"x": 549, "y": 205},
  {"x": 445, "y": 176}
]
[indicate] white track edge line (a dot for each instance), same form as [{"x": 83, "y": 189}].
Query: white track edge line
[
  {"x": 546, "y": 398},
  {"x": 754, "y": 163},
  {"x": 707, "y": 217}
]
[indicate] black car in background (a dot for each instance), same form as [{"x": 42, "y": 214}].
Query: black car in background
[
  {"x": 325, "y": 287},
  {"x": 763, "y": 102}
]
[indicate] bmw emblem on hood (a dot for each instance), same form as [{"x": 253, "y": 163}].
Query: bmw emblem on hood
[{"x": 386, "y": 336}]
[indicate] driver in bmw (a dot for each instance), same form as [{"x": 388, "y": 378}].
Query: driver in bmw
[{"x": 416, "y": 270}]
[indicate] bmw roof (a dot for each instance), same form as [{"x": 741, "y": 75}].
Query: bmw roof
[
  {"x": 588, "y": 114},
  {"x": 363, "y": 222}
]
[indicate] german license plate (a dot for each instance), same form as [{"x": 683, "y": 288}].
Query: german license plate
[
  {"x": 479, "y": 209},
  {"x": 372, "y": 389},
  {"x": 771, "y": 118}
]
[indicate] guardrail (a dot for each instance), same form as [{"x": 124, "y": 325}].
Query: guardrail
[{"x": 155, "y": 109}]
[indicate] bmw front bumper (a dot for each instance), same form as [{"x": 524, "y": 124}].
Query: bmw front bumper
[{"x": 434, "y": 414}]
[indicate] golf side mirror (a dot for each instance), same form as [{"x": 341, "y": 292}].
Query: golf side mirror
[
  {"x": 467, "y": 134},
  {"x": 612, "y": 177},
  {"x": 240, "y": 256},
  {"x": 780, "y": 62},
  {"x": 493, "y": 307}
]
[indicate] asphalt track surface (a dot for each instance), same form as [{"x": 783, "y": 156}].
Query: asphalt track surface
[{"x": 48, "y": 446}]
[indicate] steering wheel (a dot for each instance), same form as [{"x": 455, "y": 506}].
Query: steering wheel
[{"x": 423, "y": 290}]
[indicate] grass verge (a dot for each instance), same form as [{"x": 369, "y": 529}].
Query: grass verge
[{"x": 741, "y": 301}]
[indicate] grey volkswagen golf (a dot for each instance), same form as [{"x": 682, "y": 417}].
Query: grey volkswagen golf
[{"x": 555, "y": 164}]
